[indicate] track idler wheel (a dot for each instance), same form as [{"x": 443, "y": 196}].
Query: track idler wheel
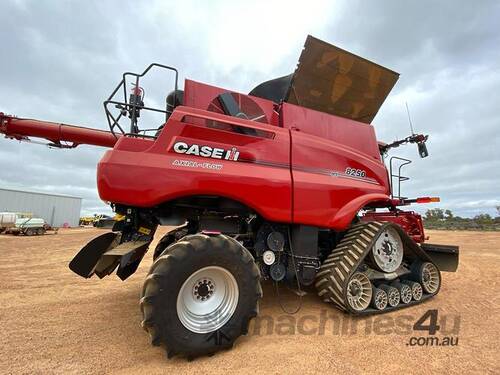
[
  {"x": 416, "y": 289},
  {"x": 359, "y": 291},
  {"x": 393, "y": 297},
  {"x": 387, "y": 251},
  {"x": 428, "y": 276},
  {"x": 379, "y": 299}
]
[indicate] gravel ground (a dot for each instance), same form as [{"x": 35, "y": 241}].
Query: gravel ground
[{"x": 56, "y": 322}]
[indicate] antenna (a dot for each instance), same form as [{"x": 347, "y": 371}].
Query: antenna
[{"x": 409, "y": 118}]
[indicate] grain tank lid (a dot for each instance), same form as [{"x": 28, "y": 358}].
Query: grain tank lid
[{"x": 335, "y": 81}]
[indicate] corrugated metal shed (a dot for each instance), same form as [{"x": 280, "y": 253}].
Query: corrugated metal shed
[{"x": 56, "y": 209}]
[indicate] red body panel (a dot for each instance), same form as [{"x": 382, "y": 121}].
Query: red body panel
[
  {"x": 410, "y": 221},
  {"x": 302, "y": 166},
  {"x": 296, "y": 172},
  {"x": 358, "y": 136},
  {"x": 323, "y": 148},
  {"x": 260, "y": 178}
]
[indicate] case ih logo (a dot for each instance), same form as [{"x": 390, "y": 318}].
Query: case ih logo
[{"x": 206, "y": 151}]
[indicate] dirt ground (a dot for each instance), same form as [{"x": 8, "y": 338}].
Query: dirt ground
[{"x": 53, "y": 321}]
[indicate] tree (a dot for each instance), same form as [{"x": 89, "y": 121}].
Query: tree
[
  {"x": 483, "y": 219},
  {"x": 498, "y": 210},
  {"x": 434, "y": 214},
  {"x": 448, "y": 215}
]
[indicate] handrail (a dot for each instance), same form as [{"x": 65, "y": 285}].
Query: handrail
[
  {"x": 398, "y": 176},
  {"x": 133, "y": 109}
]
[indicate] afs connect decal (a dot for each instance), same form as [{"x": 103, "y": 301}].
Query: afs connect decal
[{"x": 206, "y": 151}]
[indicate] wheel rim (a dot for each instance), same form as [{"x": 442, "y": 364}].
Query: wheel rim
[
  {"x": 359, "y": 291},
  {"x": 388, "y": 250},
  {"x": 380, "y": 299},
  {"x": 430, "y": 278},
  {"x": 393, "y": 297},
  {"x": 416, "y": 291},
  {"x": 207, "y": 299},
  {"x": 406, "y": 294}
]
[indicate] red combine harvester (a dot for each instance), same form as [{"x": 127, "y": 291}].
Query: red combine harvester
[{"x": 287, "y": 183}]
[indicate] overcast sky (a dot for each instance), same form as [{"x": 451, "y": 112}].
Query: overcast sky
[{"x": 61, "y": 59}]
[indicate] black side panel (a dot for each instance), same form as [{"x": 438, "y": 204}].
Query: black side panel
[
  {"x": 444, "y": 256},
  {"x": 305, "y": 241},
  {"x": 305, "y": 251}
]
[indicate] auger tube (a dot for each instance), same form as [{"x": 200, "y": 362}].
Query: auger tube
[{"x": 22, "y": 129}]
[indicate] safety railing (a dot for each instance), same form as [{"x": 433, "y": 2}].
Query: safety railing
[
  {"x": 400, "y": 163},
  {"x": 132, "y": 103}
]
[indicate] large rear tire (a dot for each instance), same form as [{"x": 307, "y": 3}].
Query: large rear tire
[{"x": 199, "y": 296}]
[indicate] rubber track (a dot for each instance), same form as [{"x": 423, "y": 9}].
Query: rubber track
[{"x": 335, "y": 272}]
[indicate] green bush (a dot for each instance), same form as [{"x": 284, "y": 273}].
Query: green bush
[{"x": 438, "y": 218}]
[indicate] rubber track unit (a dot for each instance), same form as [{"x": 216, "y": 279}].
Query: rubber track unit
[{"x": 337, "y": 269}]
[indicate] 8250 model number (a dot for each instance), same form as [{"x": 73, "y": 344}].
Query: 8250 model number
[{"x": 355, "y": 172}]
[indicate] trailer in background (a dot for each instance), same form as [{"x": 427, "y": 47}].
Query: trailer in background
[{"x": 20, "y": 223}]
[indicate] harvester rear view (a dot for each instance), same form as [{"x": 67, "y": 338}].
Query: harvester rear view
[{"x": 286, "y": 184}]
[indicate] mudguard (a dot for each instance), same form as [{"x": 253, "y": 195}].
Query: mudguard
[
  {"x": 104, "y": 254},
  {"x": 84, "y": 263},
  {"x": 126, "y": 256}
]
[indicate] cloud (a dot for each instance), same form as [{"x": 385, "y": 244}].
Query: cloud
[{"x": 61, "y": 60}]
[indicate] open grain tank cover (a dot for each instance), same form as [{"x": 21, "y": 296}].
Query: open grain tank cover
[{"x": 329, "y": 79}]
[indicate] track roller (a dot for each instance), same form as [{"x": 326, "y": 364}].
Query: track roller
[
  {"x": 379, "y": 299},
  {"x": 393, "y": 296},
  {"x": 416, "y": 289},
  {"x": 404, "y": 292}
]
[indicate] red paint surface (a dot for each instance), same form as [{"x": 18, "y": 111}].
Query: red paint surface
[
  {"x": 292, "y": 169},
  {"x": 410, "y": 221},
  {"x": 18, "y": 128}
]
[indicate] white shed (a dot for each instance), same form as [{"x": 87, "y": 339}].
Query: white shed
[{"x": 57, "y": 209}]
